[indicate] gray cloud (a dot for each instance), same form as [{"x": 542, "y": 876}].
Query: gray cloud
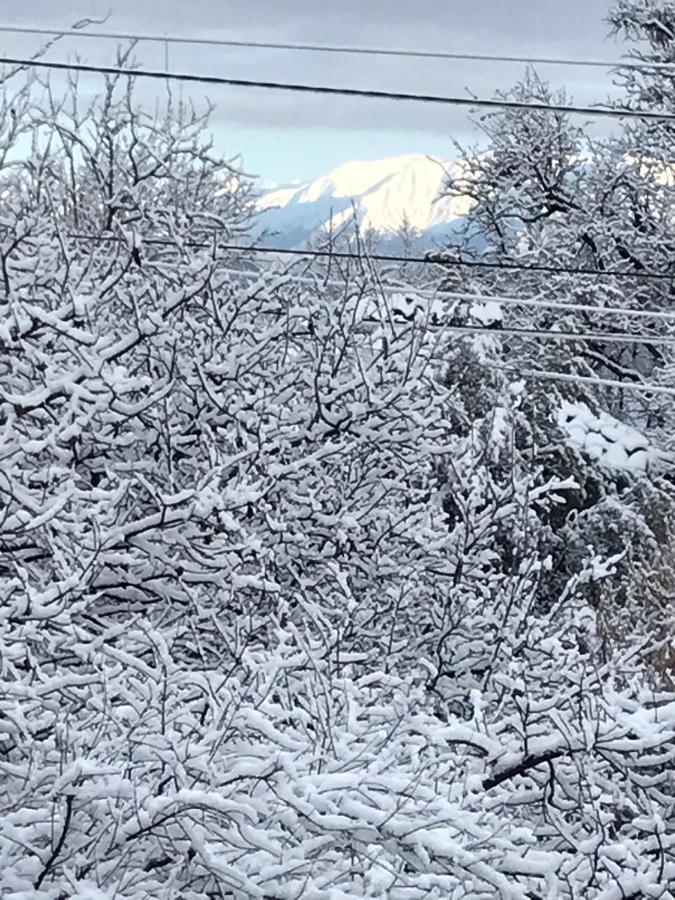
[{"x": 536, "y": 27}]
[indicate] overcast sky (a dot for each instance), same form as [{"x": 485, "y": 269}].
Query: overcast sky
[{"x": 284, "y": 137}]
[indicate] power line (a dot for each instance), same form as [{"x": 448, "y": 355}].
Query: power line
[
  {"x": 622, "y": 337},
  {"x": 464, "y": 296},
  {"x": 535, "y": 374},
  {"x": 605, "y": 337},
  {"x": 410, "y": 293},
  {"x": 393, "y": 258},
  {"x": 362, "y": 93},
  {"x": 396, "y": 52},
  {"x": 610, "y": 337},
  {"x": 410, "y": 313},
  {"x": 538, "y": 303},
  {"x": 533, "y": 302},
  {"x": 426, "y": 260}
]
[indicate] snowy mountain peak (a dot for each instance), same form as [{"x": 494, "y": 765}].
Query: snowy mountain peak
[{"x": 383, "y": 195}]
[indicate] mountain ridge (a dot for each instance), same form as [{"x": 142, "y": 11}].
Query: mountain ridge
[{"x": 384, "y": 196}]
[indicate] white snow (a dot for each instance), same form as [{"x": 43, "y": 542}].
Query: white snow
[
  {"x": 385, "y": 193},
  {"x": 411, "y": 305},
  {"x": 487, "y": 313},
  {"x": 606, "y": 439}
]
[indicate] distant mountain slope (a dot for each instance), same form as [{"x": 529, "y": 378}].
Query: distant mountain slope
[{"x": 383, "y": 194}]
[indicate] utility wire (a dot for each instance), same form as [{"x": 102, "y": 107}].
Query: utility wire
[
  {"x": 392, "y": 258},
  {"x": 362, "y": 93},
  {"x": 400, "y": 53},
  {"x": 533, "y": 302},
  {"x": 410, "y": 313},
  {"x": 622, "y": 337},
  {"x": 440, "y": 261},
  {"x": 535, "y": 374},
  {"x": 532, "y": 374},
  {"x": 605, "y": 337}
]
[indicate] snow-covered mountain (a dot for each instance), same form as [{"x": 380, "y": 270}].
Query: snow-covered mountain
[{"x": 383, "y": 195}]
